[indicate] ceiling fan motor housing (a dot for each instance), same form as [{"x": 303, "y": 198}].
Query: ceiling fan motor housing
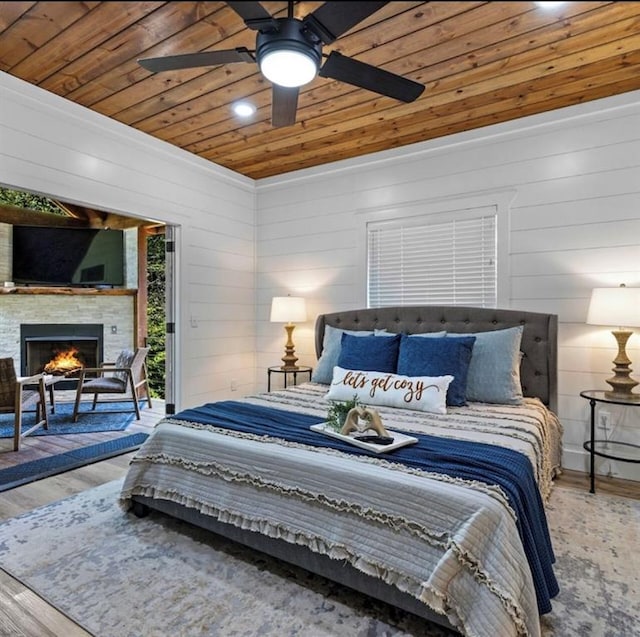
[{"x": 289, "y": 36}]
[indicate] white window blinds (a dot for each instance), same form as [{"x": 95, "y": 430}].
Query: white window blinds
[{"x": 418, "y": 262}]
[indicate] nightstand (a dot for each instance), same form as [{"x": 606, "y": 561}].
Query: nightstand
[
  {"x": 614, "y": 450},
  {"x": 293, "y": 372}
]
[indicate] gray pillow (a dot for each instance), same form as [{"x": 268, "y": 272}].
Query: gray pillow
[
  {"x": 331, "y": 347},
  {"x": 125, "y": 358},
  {"x": 431, "y": 334},
  {"x": 494, "y": 369}
]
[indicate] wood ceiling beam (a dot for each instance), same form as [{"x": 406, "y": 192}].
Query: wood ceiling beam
[
  {"x": 23, "y": 217},
  {"x": 76, "y": 217}
]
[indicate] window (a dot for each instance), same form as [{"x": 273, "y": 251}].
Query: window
[{"x": 437, "y": 260}]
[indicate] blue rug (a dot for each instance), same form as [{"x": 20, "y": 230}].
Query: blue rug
[
  {"x": 45, "y": 467},
  {"x": 61, "y": 422}
]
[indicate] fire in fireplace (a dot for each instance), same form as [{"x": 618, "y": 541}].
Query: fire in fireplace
[
  {"x": 65, "y": 362},
  {"x": 60, "y": 349}
]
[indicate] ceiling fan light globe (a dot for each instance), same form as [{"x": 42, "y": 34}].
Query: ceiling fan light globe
[{"x": 288, "y": 68}]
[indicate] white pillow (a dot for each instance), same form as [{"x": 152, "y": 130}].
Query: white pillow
[{"x": 422, "y": 393}]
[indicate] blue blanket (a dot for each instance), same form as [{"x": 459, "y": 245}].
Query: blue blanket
[{"x": 490, "y": 464}]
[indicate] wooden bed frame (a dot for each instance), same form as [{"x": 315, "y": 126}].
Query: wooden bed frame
[{"x": 539, "y": 378}]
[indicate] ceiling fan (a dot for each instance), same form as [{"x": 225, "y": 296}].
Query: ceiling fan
[{"x": 289, "y": 52}]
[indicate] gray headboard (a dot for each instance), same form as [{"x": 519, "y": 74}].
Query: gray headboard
[{"x": 539, "y": 369}]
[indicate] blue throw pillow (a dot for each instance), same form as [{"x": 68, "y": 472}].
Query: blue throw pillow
[
  {"x": 494, "y": 371},
  {"x": 369, "y": 353},
  {"x": 438, "y": 357},
  {"x": 331, "y": 346}
]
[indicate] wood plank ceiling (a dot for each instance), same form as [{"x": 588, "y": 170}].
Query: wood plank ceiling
[{"x": 481, "y": 62}]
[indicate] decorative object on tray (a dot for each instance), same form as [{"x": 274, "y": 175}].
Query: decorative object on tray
[
  {"x": 361, "y": 419},
  {"x": 359, "y": 425}
]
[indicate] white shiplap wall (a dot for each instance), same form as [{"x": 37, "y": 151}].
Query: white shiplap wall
[
  {"x": 51, "y": 146},
  {"x": 572, "y": 178}
]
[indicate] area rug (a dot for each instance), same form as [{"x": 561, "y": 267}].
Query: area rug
[
  {"x": 27, "y": 472},
  {"x": 61, "y": 422},
  {"x": 119, "y": 576}
]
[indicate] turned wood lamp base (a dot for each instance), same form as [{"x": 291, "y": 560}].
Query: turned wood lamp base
[
  {"x": 289, "y": 359},
  {"x": 621, "y": 382}
]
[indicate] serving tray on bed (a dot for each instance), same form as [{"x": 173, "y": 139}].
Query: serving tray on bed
[{"x": 399, "y": 440}]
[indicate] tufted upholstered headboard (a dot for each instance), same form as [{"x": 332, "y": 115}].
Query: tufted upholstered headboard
[{"x": 538, "y": 371}]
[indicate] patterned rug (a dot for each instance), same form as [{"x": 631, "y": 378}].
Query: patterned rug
[
  {"x": 61, "y": 422},
  {"x": 118, "y": 575}
]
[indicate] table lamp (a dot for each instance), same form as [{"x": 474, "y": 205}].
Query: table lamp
[
  {"x": 289, "y": 310},
  {"x": 618, "y": 307}
]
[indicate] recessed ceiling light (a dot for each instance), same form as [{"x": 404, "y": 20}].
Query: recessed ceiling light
[
  {"x": 550, "y": 5},
  {"x": 244, "y": 109}
]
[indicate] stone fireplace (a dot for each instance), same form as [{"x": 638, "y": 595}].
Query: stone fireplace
[{"x": 99, "y": 323}]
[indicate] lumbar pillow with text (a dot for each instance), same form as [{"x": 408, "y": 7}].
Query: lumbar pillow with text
[{"x": 422, "y": 393}]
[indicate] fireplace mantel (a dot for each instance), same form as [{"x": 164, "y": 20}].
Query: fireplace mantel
[{"x": 69, "y": 291}]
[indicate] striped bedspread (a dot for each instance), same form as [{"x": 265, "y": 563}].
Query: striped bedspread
[{"x": 444, "y": 537}]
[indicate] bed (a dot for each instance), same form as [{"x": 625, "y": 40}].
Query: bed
[{"x": 459, "y": 539}]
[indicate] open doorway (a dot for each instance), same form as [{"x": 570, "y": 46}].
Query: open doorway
[{"x": 153, "y": 244}]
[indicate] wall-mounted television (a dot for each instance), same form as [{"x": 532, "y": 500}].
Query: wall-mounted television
[{"x": 63, "y": 256}]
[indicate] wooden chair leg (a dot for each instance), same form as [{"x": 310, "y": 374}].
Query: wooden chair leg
[
  {"x": 136, "y": 404},
  {"x": 41, "y": 409},
  {"x": 17, "y": 426},
  {"x": 147, "y": 389},
  {"x": 52, "y": 399},
  {"x": 76, "y": 405},
  {"x": 17, "y": 420},
  {"x": 148, "y": 393}
]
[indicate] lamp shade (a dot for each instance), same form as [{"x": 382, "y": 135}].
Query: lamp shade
[
  {"x": 288, "y": 309},
  {"x": 618, "y": 307}
]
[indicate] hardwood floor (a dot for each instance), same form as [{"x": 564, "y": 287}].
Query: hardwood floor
[
  {"x": 23, "y": 613},
  {"x": 35, "y": 447},
  {"x": 604, "y": 485}
]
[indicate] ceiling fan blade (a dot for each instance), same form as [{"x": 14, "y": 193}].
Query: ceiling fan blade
[
  {"x": 254, "y": 15},
  {"x": 332, "y": 19},
  {"x": 192, "y": 60},
  {"x": 283, "y": 106},
  {"x": 346, "y": 69}
]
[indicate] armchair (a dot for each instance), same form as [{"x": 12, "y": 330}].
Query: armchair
[
  {"x": 126, "y": 377},
  {"x": 18, "y": 395}
]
